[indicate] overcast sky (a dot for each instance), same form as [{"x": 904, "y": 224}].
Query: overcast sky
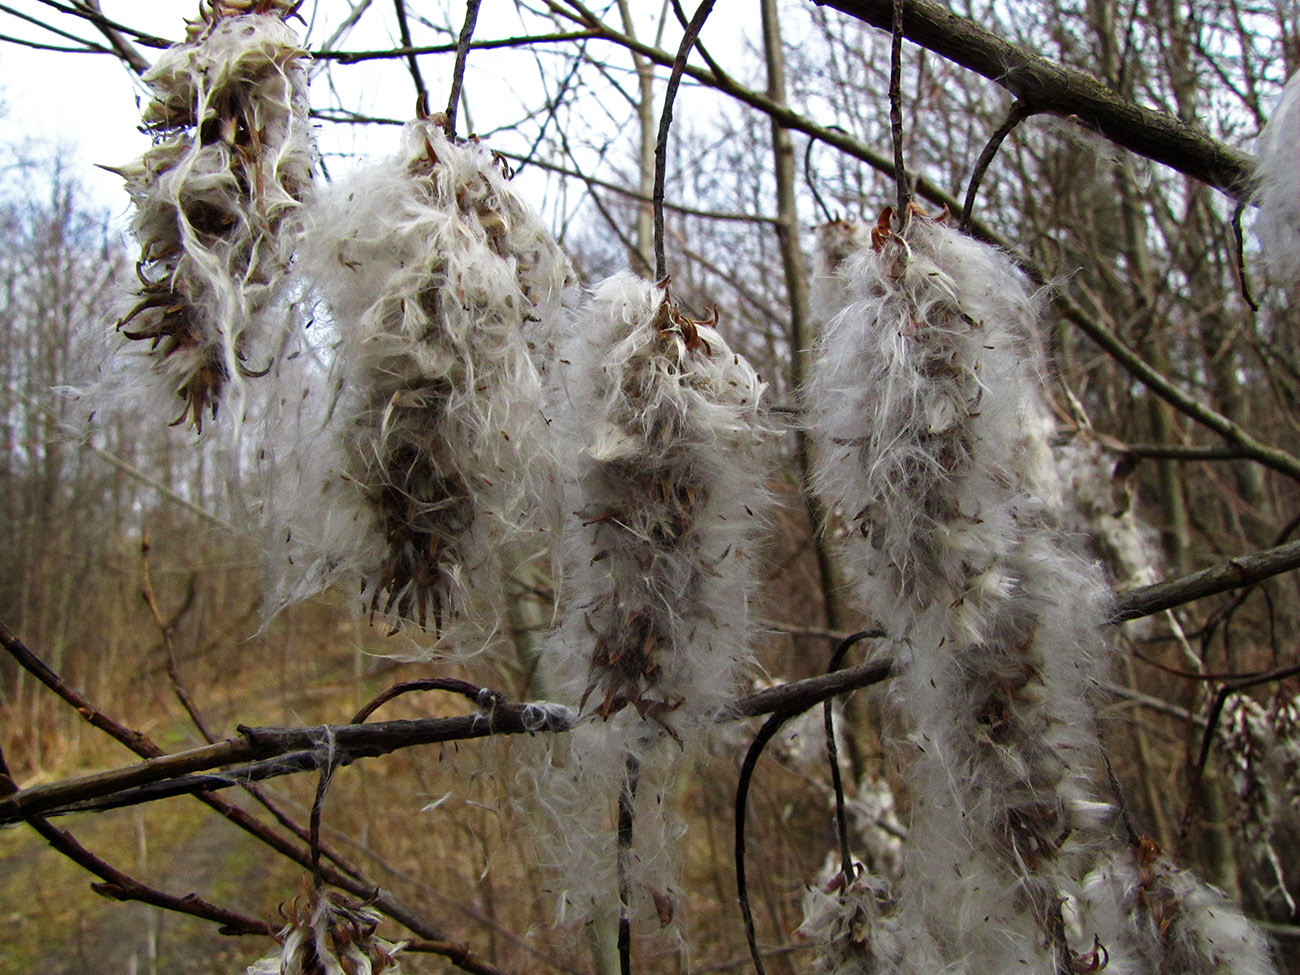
[{"x": 88, "y": 105}]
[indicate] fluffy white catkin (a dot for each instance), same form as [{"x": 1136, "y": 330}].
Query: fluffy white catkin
[
  {"x": 667, "y": 432},
  {"x": 218, "y": 200},
  {"x": 1277, "y": 188},
  {"x": 1151, "y": 918},
  {"x": 933, "y": 439},
  {"x": 432, "y": 471}
]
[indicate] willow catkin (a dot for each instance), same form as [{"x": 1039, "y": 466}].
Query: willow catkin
[
  {"x": 1277, "y": 188},
  {"x": 218, "y": 200},
  {"x": 432, "y": 472},
  {"x": 667, "y": 430},
  {"x": 934, "y": 440}
]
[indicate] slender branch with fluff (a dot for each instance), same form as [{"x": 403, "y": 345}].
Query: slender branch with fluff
[
  {"x": 433, "y": 459},
  {"x": 667, "y": 434},
  {"x": 926, "y": 405},
  {"x": 218, "y": 200}
]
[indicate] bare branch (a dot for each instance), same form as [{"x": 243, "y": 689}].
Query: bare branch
[
  {"x": 386, "y": 54},
  {"x": 1236, "y": 573},
  {"x": 665, "y": 123},
  {"x": 1050, "y": 87},
  {"x": 462, "y": 55},
  {"x": 421, "y": 92},
  {"x": 124, "y": 48}
]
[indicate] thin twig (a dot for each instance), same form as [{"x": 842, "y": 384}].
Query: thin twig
[
  {"x": 392, "y": 53},
  {"x": 124, "y": 48},
  {"x": 1018, "y": 112},
  {"x": 665, "y": 124},
  {"x": 317, "y": 810},
  {"x": 904, "y": 195},
  {"x": 1240, "y": 254},
  {"x": 812, "y": 183},
  {"x": 832, "y": 753},
  {"x": 166, "y": 628},
  {"x": 117, "y": 885},
  {"x": 84, "y": 11},
  {"x": 404, "y": 30},
  {"x": 462, "y": 56},
  {"x": 626, "y": 819},
  {"x": 765, "y": 734},
  {"x": 481, "y": 696}
]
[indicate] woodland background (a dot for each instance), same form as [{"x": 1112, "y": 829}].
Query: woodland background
[{"x": 1141, "y": 256}]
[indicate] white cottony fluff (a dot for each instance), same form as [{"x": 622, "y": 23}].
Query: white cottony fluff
[
  {"x": 924, "y": 407},
  {"x": 328, "y": 936},
  {"x": 1099, "y": 504},
  {"x": 934, "y": 440},
  {"x": 668, "y": 429},
  {"x": 431, "y": 472},
  {"x": 849, "y": 924},
  {"x": 1277, "y": 188},
  {"x": 218, "y": 200},
  {"x": 835, "y": 242},
  {"x": 667, "y": 433},
  {"x": 1151, "y": 918}
]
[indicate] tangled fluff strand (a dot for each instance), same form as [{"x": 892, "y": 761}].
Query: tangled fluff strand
[
  {"x": 435, "y": 467},
  {"x": 932, "y": 433},
  {"x": 218, "y": 200},
  {"x": 667, "y": 433}
]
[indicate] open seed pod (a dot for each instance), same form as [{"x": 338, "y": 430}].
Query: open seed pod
[
  {"x": 927, "y": 409},
  {"x": 667, "y": 444},
  {"x": 217, "y": 202},
  {"x": 431, "y": 474}
]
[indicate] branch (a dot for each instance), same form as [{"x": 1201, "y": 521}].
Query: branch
[
  {"x": 123, "y": 48},
  {"x": 268, "y": 752},
  {"x": 1236, "y": 573},
  {"x": 87, "y": 11},
  {"x": 390, "y": 53},
  {"x": 462, "y": 57},
  {"x": 119, "y": 886},
  {"x": 421, "y": 92},
  {"x": 262, "y": 753},
  {"x": 1187, "y": 404},
  {"x": 1048, "y": 86}
]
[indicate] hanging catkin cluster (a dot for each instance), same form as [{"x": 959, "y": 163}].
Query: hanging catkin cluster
[
  {"x": 934, "y": 441},
  {"x": 1259, "y": 752},
  {"x": 666, "y": 430},
  {"x": 329, "y": 936},
  {"x": 217, "y": 201},
  {"x": 1277, "y": 188},
  {"x": 433, "y": 466}
]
